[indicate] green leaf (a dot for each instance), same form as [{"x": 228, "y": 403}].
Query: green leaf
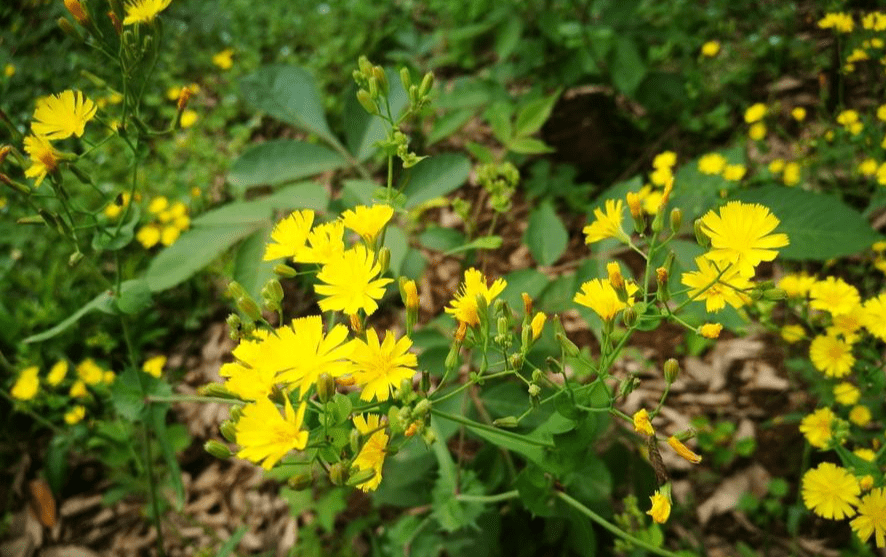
[
  {"x": 545, "y": 235},
  {"x": 158, "y": 422},
  {"x": 435, "y": 177},
  {"x": 127, "y": 396},
  {"x": 289, "y": 94},
  {"x": 448, "y": 124},
  {"x": 194, "y": 250},
  {"x": 134, "y": 296},
  {"x": 56, "y": 460},
  {"x": 534, "y": 487},
  {"x": 100, "y": 302},
  {"x": 532, "y": 117},
  {"x": 249, "y": 269},
  {"x": 529, "y": 146},
  {"x": 695, "y": 193},
  {"x": 505, "y": 439},
  {"x": 531, "y": 281},
  {"x": 104, "y": 238},
  {"x": 628, "y": 68},
  {"x": 499, "y": 117},
  {"x": 483, "y": 242},
  {"x": 438, "y": 238},
  {"x": 508, "y": 36},
  {"x": 819, "y": 226},
  {"x": 232, "y": 542},
  {"x": 279, "y": 161}
]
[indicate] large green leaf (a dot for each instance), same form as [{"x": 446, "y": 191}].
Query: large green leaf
[
  {"x": 819, "y": 226},
  {"x": 628, "y": 68},
  {"x": 249, "y": 269},
  {"x": 435, "y": 177},
  {"x": 534, "y": 114},
  {"x": 289, "y": 94},
  {"x": 529, "y": 448},
  {"x": 545, "y": 234},
  {"x": 695, "y": 192},
  {"x": 280, "y": 161}
]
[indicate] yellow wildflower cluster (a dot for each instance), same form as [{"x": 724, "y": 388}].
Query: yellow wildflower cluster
[
  {"x": 170, "y": 220},
  {"x": 55, "y": 117},
  {"x": 835, "y": 493}
]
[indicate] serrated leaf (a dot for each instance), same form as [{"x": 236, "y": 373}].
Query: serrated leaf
[
  {"x": 545, "y": 235},
  {"x": 279, "y": 161},
  {"x": 435, "y": 177},
  {"x": 532, "y": 117},
  {"x": 289, "y": 94},
  {"x": 529, "y": 146},
  {"x": 819, "y": 226}
]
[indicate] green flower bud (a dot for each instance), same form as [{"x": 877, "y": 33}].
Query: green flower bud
[
  {"x": 338, "y": 474},
  {"x": 365, "y": 65},
  {"x": 775, "y": 294},
  {"x": 628, "y": 385},
  {"x": 361, "y": 477},
  {"x": 428, "y": 437},
  {"x": 229, "y": 431},
  {"x": 502, "y": 326},
  {"x": 537, "y": 375},
  {"x": 249, "y": 308},
  {"x": 454, "y": 357},
  {"x": 235, "y": 412},
  {"x": 384, "y": 260},
  {"x": 676, "y": 220},
  {"x": 284, "y": 271},
  {"x": 426, "y": 83},
  {"x": 405, "y": 78},
  {"x": 629, "y": 317},
  {"x": 422, "y": 408},
  {"x": 381, "y": 77},
  {"x": 671, "y": 370},
  {"x": 516, "y": 360},
  {"x": 235, "y": 291},
  {"x": 700, "y": 236},
  {"x": 300, "y": 482},
  {"x": 354, "y": 440},
  {"x": 509, "y": 422},
  {"x": 365, "y": 100},
  {"x": 325, "y": 387},
  {"x": 534, "y": 390},
  {"x": 217, "y": 449},
  {"x": 216, "y": 390},
  {"x": 568, "y": 346}
]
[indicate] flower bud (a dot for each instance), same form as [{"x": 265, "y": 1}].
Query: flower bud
[
  {"x": 4, "y": 152},
  {"x": 568, "y": 346},
  {"x": 21, "y": 188},
  {"x": 428, "y": 436},
  {"x": 184, "y": 96},
  {"x": 516, "y": 360},
  {"x": 460, "y": 332},
  {"x": 229, "y": 431},
  {"x": 76, "y": 10},
  {"x": 366, "y": 102},
  {"x": 527, "y": 303},
  {"x": 775, "y": 294},
  {"x": 384, "y": 260},
  {"x": 405, "y": 78},
  {"x": 408, "y": 293},
  {"x": 235, "y": 291},
  {"x": 502, "y": 326},
  {"x": 300, "y": 482},
  {"x": 115, "y": 21},
  {"x": 508, "y": 422},
  {"x": 676, "y": 220},
  {"x": 710, "y": 330},
  {"x": 382, "y": 79},
  {"x": 249, "y": 308},
  {"x": 234, "y": 323},
  {"x": 365, "y": 65},
  {"x": 354, "y": 440},
  {"x": 629, "y": 317},
  {"x": 683, "y": 450},
  {"x": 422, "y": 408},
  {"x": 700, "y": 236},
  {"x": 615, "y": 279},
  {"x": 218, "y": 450},
  {"x": 637, "y": 213},
  {"x": 284, "y": 271},
  {"x": 405, "y": 387},
  {"x": 235, "y": 412},
  {"x": 425, "y": 381},
  {"x": 658, "y": 220},
  {"x": 628, "y": 385},
  {"x": 671, "y": 370},
  {"x": 426, "y": 83},
  {"x": 534, "y": 390},
  {"x": 338, "y": 474},
  {"x": 361, "y": 477},
  {"x": 325, "y": 387},
  {"x": 537, "y": 325},
  {"x": 356, "y": 324},
  {"x": 215, "y": 389}
]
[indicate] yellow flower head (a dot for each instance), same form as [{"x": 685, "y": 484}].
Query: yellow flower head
[
  {"x": 63, "y": 115},
  {"x": 831, "y": 355},
  {"x": 798, "y": 113},
  {"x": 757, "y": 131},
  {"x": 350, "y": 282},
  {"x": 372, "y": 454},
  {"x": 289, "y": 235},
  {"x": 741, "y": 236},
  {"x": 169, "y": 234},
  {"x": 875, "y": 316},
  {"x": 846, "y": 393},
  {"x": 410, "y": 291},
  {"x": 734, "y": 172},
  {"x": 27, "y": 384},
  {"x": 665, "y": 159},
  {"x": 154, "y": 366},
  {"x": 860, "y": 415},
  {"x": 817, "y": 427},
  {"x": 368, "y": 222},
  {"x": 252, "y": 376},
  {"x": 78, "y": 390},
  {"x": 868, "y": 167},
  {"x": 325, "y": 243},
  {"x": 710, "y": 49},
  {"x": 642, "y": 424},
  {"x": 224, "y": 59},
  {"x": 865, "y": 454},
  {"x": 796, "y": 285},
  {"x": 661, "y": 507},
  {"x": 710, "y": 330},
  {"x": 839, "y": 21},
  {"x": 683, "y": 450},
  {"x": 265, "y": 436},
  {"x": 382, "y": 366},
  {"x": 599, "y": 295},
  {"x": 90, "y": 372},
  {"x": 847, "y": 118},
  {"x": 188, "y": 118},
  {"x": 792, "y": 174},
  {"x": 607, "y": 224},
  {"x": 661, "y": 176},
  {"x": 716, "y": 289},
  {"x": 830, "y": 491},
  {"x": 755, "y": 113},
  {"x": 75, "y": 415},
  {"x": 651, "y": 198},
  {"x": 464, "y": 305},
  {"x": 303, "y": 352},
  {"x": 143, "y": 11},
  {"x": 148, "y": 236},
  {"x": 44, "y": 158},
  {"x": 871, "y": 517},
  {"x": 537, "y": 325},
  {"x": 834, "y": 295},
  {"x": 57, "y": 373},
  {"x": 712, "y": 163},
  {"x": 848, "y": 324},
  {"x": 875, "y": 21}
]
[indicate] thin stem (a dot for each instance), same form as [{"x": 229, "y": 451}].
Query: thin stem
[
  {"x": 468, "y": 498},
  {"x": 498, "y": 431}
]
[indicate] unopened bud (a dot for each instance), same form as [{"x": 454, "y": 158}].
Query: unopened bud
[
  {"x": 775, "y": 294},
  {"x": 381, "y": 77},
  {"x": 527, "y": 303},
  {"x": 453, "y": 358},
  {"x": 568, "y": 346},
  {"x": 325, "y": 387},
  {"x": 218, "y": 450},
  {"x": 235, "y": 412},
  {"x": 422, "y": 408},
  {"x": 629, "y": 317},
  {"x": 338, "y": 474},
  {"x": 384, "y": 260},
  {"x": 534, "y": 390},
  {"x": 283, "y": 270},
  {"x": 356, "y": 324},
  {"x": 408, "y": 293},
  {"x": 215, "y": 389},
  {"x": 628, "y": 385},
  {"x": 229, "y": 431},
  {"x": 405, "y": 388},
  {"x": 4, "y": 152},
  {"x": 683, "y": 450},
  {"x": 361, "y": 477},
  {"x": 75, "y": 258},
  {"x": 428, "y": 436},
  {"x": 68, "y": 29},
  {"x": 658, "y": 220},
  {"x": 676, "y": 220},
  {"x": 426, "y": 83},
  {"x": 671, "y": 370},
  {"x": 502, "y": 326},
  {"x": 184, "y": 96},
  {"x": 425, "y": 381},
  {"x": 275, "y": 289},
  {"x": 405, "y": 78},
  {"x": 615, "y": 279},
  {"x": 249, "y": 308},
  {"x": 700, "y": 236},
  {"x": 509, "y": 422},
  {"x": 354, "y": 440},
  {"x": 516, "y": 360},
  {"x": 366, "y": 102},
  {"x": 21, "y": 188},
  {"x": 300, "y": 482},
  {"x": 235, "y": 290},
  {"x": 233, "y": 322},
  {"x": 76, "y": 10},
  {"x": 460, "y": 332},
  {"x": 115, "y": 21}
]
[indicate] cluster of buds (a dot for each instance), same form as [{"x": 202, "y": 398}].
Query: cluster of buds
[
  {"x": 500, "y": 181},
  {"x": 242, "y": 324}
]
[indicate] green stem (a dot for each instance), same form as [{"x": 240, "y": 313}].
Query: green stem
[
  {"x": 193, "y": 398},
  {"x": 612, "y": 528},
  {"x": 497, "y": 431},
  {"x": 469, "y": 383},
  {"x": 487, "y": 498}
]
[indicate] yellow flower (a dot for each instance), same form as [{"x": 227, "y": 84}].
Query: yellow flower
[
  {"x": 108, "y": 377},
  {"x": 848, "y": 324},
  {"x": 741, "y": 236},
  {"x": 791, "y": 176},
  {"x": 351, "y": 283},
  {"x": 148, "y": 236},
  {"x": 44, "y": 158},
  {"x": 867, "y": 167},
  {"x": 607, "y": 224},
  {"x": 757, "y": 131},
  {"x": 661, "y": 507},
  {"x": 158, "y": 205},
  {"x": 712, "y": 163},
  {"x": 63, "y": 115},
  {"x": 78, "y": 390},
  {"x": 537, "y": 325},
  {"x": 734, "y": 172},
  {"x": 866, "y": 482},
  {"x": 188, "y": 118},
  {"x": 831, "y": 356},
  {"x": 776, "y": 166},
  {"x": 265, "y": 436},
  {"x": 875, "y": 316},
  {"x": 289, "y": 235},
  {"x": 379, "y": 367},
  {"x": 847, "y": 118},
  {"x": 372, "y": 454},
  {"x": 651, "y": 198},
  {"x": 665, "y": 159},
  {"x": 368, "y": 222},
  {"x": 75, "y": 415},
  {"x": 27, "y": 384},
  {"x": 714, "y": 288},
  {"x": 817, "y": 427},
  {"x": 798, "y": 113},
  {"x": 846, "y": 393},
  {"x": 9, "y": 70},
  {"x": 710, "y": 49},
  {"x": 411, "y": 295},
  {"x": 683, "y": 450},
  {"x": 325, "y": 243},
  {"x": 755, "y": 113},
  {"x": 860, "y": 415},
  {"x": 599, "y": 295},
  {"x": 89, "y": 372},
  {"x": 154, "y": 366},
  {"x": 143, "y": 11},
  {"x": 464, "y": 305},
  {"x": 223, "y": 59},
  {"x": 830, "y": 491},
  {"x": 834, "y": 295},
  {"x": 252, "y": 375},
  {"x": 642, "y": 424},
  {"x": 304, "y": 352},
  {"x": 871, "y": 517},
  {"x": 710, "y": 330},
  {"x": 169, "y": 234},
  {"x": 793, "y": 333},
  {"x": 661, "y": 176},
  {"x": 796, "y": 285},
  {"x": 57, "y": 373},
  {"x": 865, "y": 454},
  {"x": 841, "y": 22},
  {"x": 875, "y": 21}
]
